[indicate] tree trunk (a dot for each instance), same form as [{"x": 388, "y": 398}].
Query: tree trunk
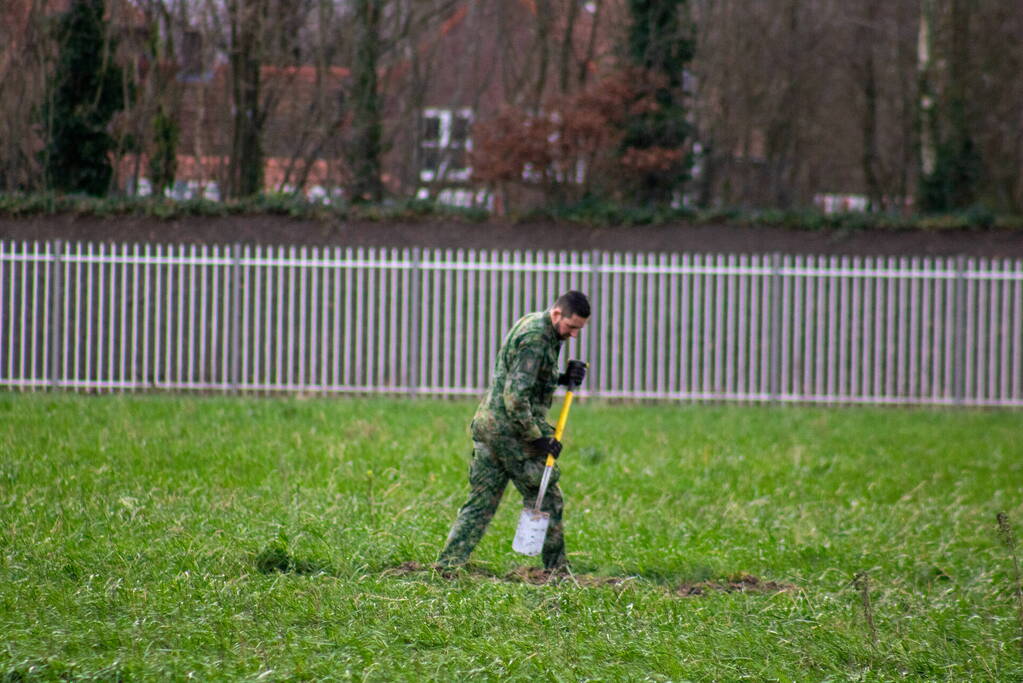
[
  {"x": 962, "y": 186},
  {"x": 567, "y": 51},
  {"x": 910, "y": 134},
  {"x": 366, "y": 123},
  {"x": 246, "y": 166},
  {"x": 867, "y": 37},
  {"x": 543, "y": 31},
  {"x": 927, "y": 124},
  {"x": 591, "y": 44}
]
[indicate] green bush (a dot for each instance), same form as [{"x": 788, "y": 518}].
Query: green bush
[
  {"x": 595, "y": 211},
  {"x": 1009, "y": 222},
  {"x": 718, "y": 215},
  {"x": 974, "y": 218},
  {"x": 590, "y": 211},
  {"x": 278, "y": 204}
]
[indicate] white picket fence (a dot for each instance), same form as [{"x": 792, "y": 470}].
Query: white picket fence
[{"x": 102, "y": 317}]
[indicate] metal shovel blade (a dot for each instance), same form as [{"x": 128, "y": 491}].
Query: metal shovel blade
[
  {"x": 532, "y": 529},
  {"x": 533, "y": 522},
  {"x": 531, "y": 532}
]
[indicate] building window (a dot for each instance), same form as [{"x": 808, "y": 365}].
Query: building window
[{"x": 445, "y": 144}]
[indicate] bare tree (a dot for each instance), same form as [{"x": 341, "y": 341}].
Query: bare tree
[
  {"x": 998, "y": 89},
  {"x": 366, "y": 132},
  {"x": 866, "y": 39},
  {"x": 792, "y": 98},
  {"x": 26, "y": 54},
  {"x": 247, "y": 20}
]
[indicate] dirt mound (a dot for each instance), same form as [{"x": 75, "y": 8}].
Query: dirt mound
[
  {"x": 531, "y": 575},
  {"x": 737, "y": 583},
  {"x": 537, "y": 576}
]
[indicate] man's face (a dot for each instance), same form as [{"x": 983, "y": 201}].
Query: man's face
[{"x": 567, "y": 327}]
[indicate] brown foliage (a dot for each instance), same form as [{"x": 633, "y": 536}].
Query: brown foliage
[{"x": 572, "y": 146}]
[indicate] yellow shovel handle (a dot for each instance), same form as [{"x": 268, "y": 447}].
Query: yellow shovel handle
[{"x": 559, "y": 428}]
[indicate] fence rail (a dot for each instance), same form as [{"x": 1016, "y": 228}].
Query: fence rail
[{"x": 785, "y": 328}]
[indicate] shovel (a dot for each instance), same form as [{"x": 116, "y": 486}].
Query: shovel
[{"x": 533, "y": 522}]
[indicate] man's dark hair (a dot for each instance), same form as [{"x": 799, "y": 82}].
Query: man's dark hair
[{"x": 573, "y": 303}]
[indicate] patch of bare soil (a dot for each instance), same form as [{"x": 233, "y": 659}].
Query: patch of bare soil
[
  {"x": 535, "y": 576},
  {"x": 737, "y": 583}
]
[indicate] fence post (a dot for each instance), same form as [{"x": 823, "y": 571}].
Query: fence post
[
  {"x": 593, "y": 338},
  {"x": 236, "y": 325},
  {"x": 774, "y": 386},
  {"x": 55, "y": 327},
  {"x": 414, "y": 283},
  {"x": 959, "y": 369}
]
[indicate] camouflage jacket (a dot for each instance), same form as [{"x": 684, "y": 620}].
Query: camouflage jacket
[{"x": 525, "y": 377}]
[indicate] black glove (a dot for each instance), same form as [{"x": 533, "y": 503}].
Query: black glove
[
  {"x": 574, "y": 374},
  {"x": 547, "y": 445}
]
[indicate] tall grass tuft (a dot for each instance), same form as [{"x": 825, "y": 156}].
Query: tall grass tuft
[
  {"x": 276, "y": 558},
  {"x": 862, "y": 583},
  {"x": 1009, "y": 540}
]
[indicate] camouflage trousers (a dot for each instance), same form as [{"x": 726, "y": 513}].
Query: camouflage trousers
[{"x": 494, "y": 464}]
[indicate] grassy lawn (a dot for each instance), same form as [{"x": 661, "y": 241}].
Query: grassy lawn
[{"x": 130, "y": 529}]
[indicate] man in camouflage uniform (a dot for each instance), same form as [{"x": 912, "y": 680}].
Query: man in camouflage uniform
[{"x": 510, "y": 433}]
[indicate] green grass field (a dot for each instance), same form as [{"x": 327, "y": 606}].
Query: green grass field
[{"x": 130, "y": 529}]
